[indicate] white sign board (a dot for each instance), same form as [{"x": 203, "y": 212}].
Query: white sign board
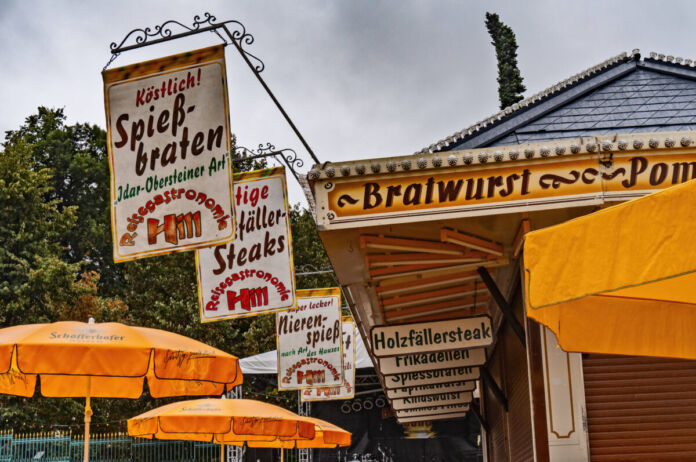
[
  {"x": 441, "y": 399},
  {"x": 347, "y": 390},
  {"x": 415, "y": 379},
  {"x": 168, "y": 138},
  {"x": 254, "y": 274},
  {"x": 310, "y": 347},
  {"x": 429, "y": 361},
  {"x": 431, "y": 389},
  {"x": 432, "y": 410},
  {"x": 456, "y": 415},
  {"x": 423, "y": 337}
]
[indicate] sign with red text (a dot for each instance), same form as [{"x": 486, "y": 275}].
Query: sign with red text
[
  {"x": 423, "y": 337},
  {"x": 347, "y": 390},
  {"x": 310, "y": 347},
  {"x": 168, "y": 138},
  {"x": 255, "y": 273}
]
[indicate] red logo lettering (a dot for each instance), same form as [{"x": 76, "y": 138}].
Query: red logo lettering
[
  {"x": 174, "y": 227},
  {"x": 247, "y": 298}
]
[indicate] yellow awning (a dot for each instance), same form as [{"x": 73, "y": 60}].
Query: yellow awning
[{"x": 621, "y": 280}]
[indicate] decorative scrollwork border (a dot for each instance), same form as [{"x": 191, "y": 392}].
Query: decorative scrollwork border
[
  {"x": 286, "y": 155},
  {"x": 141, "y": 37}
]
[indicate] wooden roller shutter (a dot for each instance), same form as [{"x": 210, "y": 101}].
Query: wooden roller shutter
[
  {"x": 519, "y": 418},
  {"x": 495, "y": 414},
  {"x": 640, "y": 408},
  {"x": 510, "y": 436}
]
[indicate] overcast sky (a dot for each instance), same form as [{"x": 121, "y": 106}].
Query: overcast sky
[{"x": 360, "y": 78}]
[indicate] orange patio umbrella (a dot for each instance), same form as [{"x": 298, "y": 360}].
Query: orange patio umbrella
[
  {"x": 237, "y": 422},
  {"x": 110, "y": 360}
]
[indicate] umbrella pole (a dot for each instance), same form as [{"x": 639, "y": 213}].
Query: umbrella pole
[
  {"x": 88, "y": 418},
  {"x": 222, "y": 452}
]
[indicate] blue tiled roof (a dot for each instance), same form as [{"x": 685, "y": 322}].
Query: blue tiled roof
[
  {"x": 642, "y": 101},
  {"x": 622, "y": 95}
]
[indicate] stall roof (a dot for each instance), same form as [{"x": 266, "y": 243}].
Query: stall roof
[
  {"x": 395, "y": 253},
  {"x": 267, "y": 363},
  {"x": 623, "y": 94}
]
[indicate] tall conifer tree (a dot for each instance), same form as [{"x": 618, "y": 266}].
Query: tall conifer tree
[{"x": 510, "y": 87}]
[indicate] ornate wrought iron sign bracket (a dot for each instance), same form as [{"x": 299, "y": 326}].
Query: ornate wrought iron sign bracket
[
  {"x": 286, "y": 156},
  {"x": 230, "y": 32}
]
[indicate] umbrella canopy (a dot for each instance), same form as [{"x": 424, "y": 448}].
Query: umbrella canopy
[
  {"x": 237, "y": 422},
  {"x": 110, "y": 360},
  {"x": 326, "y": 436},
  {"x": 220, "y": 420},
  {"x": 76, "y": 359},
  {"x": 621, "y": 280}
]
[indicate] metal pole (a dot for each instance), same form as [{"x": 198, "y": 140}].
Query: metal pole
[
  {"x": 270, "y": 93},
  {"x": 88, "y": 419},
  {"x": 504, "y": 306}
]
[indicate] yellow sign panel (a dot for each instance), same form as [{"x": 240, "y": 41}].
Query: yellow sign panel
[{"x": 491, "y": 189}]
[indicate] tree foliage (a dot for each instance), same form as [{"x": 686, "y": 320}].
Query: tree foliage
[
  {"x": 510, "y": 86},
  {"x": 76, "y": 156},
  {"x": 35, "y": 278},
  {"x": 56, "y": 262}
]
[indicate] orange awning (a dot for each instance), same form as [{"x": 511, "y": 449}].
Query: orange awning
[{"x": 621, "y": 280}]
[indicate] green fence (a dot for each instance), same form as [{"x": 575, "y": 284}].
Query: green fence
[{"x": 56, "y": 447}]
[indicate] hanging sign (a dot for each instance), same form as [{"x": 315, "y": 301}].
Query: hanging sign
[
  {"x": 254, "y": 274},
  {"x": 432, "y": 336},
  {"x": 431, "y": 389},
  {"x": 429, "y": 361},
  {"x": 432, "y": 410},
  {"x": 168, "y": 138},
  {"x": 432, "y": 400},
  {"x": 310, "y": 347},
  {"x": 415, "y": 379},
  {"x": 456, "y": 415},
  {"x": 347, "y": 390}
]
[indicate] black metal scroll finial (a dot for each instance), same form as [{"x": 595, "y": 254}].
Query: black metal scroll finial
[
  {"x": 235, "y": 34},
  {"x": 164, "y": 32},
  {"x": 286, "y": 155}
]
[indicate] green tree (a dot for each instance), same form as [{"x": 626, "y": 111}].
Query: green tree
[
  {"x": 77, "y": 158},
  {"x": 35, "y": 279},
  {"x": 510, "y": 87}
]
